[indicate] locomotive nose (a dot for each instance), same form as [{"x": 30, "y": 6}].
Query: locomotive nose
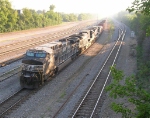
[
  {"x": 32, "y": 66},
  {"x": 32, "y": 62}
]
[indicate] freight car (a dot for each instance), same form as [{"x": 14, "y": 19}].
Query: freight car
[{"x": 46, "y": 60}]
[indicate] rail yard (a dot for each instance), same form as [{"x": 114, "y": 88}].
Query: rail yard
[{"x": 76, "y": 87}]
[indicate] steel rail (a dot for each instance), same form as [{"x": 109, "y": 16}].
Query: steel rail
[
  {"x": 6, "y": 75},
  {"x": 107, "y": 78},
  {"x": 2, "y": 111},
  {"x": 63, "y": 32},
  {"x": 33, "y": 44},
  {"x": 55, "y": 32},
  {"x": 96, "y": 76},
  {"x": 63, "y": 105}
]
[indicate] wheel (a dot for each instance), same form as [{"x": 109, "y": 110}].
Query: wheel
[
  {"x": 37, "y": 85},
  {"x": 22, "y": 85},
  {"x": 21, "y": 82}
]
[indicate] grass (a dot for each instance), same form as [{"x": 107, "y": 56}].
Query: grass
[
  {"x": 111, "y": 29},
  {"x": 63, "y": 94},
  {"x": 143, "y": 69}
]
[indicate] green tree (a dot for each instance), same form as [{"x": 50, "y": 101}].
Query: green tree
[
  {"x": 137, "y": 22},
  {"x": 136, "y": 96},
  {"x": 8, "y": 16},
  {"x": 37, "y": 19},
  {"x": 81, "y": 16},
  {"x": 65, "y": 17},
  {"x": 142, "y": 6},
  {"x": 52, "y": 7},
  {"x": 11, "y": 20},
  {"x": 28, "y": 18},
  {"x": 85, "y": 16},
  {"x": 72, "y": 17}
]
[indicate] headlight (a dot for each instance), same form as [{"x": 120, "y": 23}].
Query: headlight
[
  {"x": 24, "y": 66},
  {"x": 36, "y": 68}
]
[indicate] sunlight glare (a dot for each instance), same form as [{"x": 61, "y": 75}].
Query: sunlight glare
[{"x": 101, "y": 7}]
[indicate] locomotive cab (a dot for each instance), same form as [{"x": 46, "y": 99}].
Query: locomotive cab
[
  {"x": 99, "y": 30},
  {"x": 35, "y": 68}
]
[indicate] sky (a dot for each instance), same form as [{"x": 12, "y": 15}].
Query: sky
[{"x": 101, "y": 7}]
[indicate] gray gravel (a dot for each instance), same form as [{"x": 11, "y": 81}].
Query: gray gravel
[
  {"x": 127, "y": 63},
  {"x": 91, "y": 71},
  {"x": 47, "y": 101},
  {"x": 11, "y": 66},
  {"x": 9, "y": 87},
  {"x": 15, "y": 35},
  {"x": 5, "y": 39},
  {"x": 18, "y": 36}
]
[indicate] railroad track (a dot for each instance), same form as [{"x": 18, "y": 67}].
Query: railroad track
[
  {"x": 16, "y": 70},
  {"x": 54, "y": 35},
  {"x": 87, "y": 106},
  {"x": 13, "y": 100},
  {"x": 8, "y": 104},
  {"x": 10, "y": 73},
  {"x": 48, "y": 38},
  {"x": 18, "y": 48},
  {"x": 91, "y": 103},
  {"x": 28, "y": 40},
  {"x": 16, "y": 99}
]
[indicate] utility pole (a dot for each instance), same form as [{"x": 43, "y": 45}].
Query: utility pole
[
  {"x": 58, "y": 18},
  {"x": 97, "y": 18}
]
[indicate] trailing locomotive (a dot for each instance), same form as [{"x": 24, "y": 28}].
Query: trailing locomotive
[{"x": 46, "y": 60}]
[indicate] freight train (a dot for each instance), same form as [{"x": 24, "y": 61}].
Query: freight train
[{"x": 44, "y": 61}]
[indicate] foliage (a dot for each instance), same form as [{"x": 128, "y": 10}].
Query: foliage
[
  {"x": 69, "y": 17},
  {"x": 143, "y": 67},
  {"x": 52, "y": 7},
  {"x": 74, "y": 17},
  {"x": 12, "y": 20},
  {"x": 142, "y": 6},
  {"x": 136, "y": 96},
  {"x": 8, "y": 16},
  {"x": 84, "y": 16},
  {"x": 137, "y": 22},
  {"x": 135, "y": 90}
]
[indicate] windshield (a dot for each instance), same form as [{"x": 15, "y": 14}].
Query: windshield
[
  {"x": 36, "y": 54},
  {"x": 40, "y": 55},
  {"x": 30, "y": 54}
]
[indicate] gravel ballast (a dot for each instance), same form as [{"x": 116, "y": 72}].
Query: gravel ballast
[
  {"x": 127, "y": 63},
  {"x": 47, "y": 101}
]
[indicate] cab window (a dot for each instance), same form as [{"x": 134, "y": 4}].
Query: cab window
[
  {"x": 40, "y": 55},
  {"x": 36, "y": 54},
  {"x": 30, "y": 54}
]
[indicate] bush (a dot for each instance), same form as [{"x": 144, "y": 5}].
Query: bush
[{"x": 135, "y": 95}]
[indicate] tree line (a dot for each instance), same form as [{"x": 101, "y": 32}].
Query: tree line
[
  {"x": 137, "y": 17},
  {"x": 15, "y": 20}
]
